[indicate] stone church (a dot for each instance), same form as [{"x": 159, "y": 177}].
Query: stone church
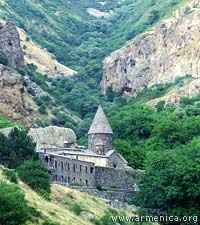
[{"x": 98, "y": 165}]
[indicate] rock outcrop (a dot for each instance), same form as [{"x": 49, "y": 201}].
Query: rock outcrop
[
  {"x": 190, "y": 89},
  {"x": 10, "y": 46},
  {"x": 48, "y": 137},
  {"x": 170, "y": 50},
  {"x": 11, "y": 96},
  {"x": 52, "y": 136}
]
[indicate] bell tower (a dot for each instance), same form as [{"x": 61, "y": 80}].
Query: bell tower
[{"x": 100, "y": 135}]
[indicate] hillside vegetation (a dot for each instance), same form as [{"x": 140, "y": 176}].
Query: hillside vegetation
[
  {"x": 80, "y": 41},
  {"x": 66, "y": 206}
]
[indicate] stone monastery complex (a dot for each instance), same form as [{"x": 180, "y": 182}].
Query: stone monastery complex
[{"x": 100, "y": 164}]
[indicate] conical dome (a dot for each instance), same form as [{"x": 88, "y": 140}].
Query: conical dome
[{"x": 100, "y": 123}]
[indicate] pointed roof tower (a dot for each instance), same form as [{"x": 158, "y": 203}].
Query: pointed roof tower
[{"x": 100, "y": 124}]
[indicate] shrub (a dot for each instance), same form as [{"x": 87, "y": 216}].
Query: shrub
[
  {"x": 31, "y": 91},
  {"x": 4, "y": 60},
  {"x": 33, "y": 174},
  {"x": 99, "y": 187},
  {"x": 4, "y": 122},
  {"x": 49, "y": 223},
  {"x": 11, "y": 175},
  {"x": 14, "y": 209},
  {"x": 76, "y": 209},
  {"x": 42, "y": 109}
]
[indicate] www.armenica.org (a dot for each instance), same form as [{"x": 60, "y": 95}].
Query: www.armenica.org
[{"x": 166, "y": 218}]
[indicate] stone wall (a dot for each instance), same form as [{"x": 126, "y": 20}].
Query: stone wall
[
  {"x": 110, "y": 194},
  {"x": 117, "y": 161},
  {"x": 70, "y": 171},
  {"x": 118, "y": 178}
]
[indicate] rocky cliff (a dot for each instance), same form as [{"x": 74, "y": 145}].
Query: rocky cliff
[
  {"x": 10, "y": 45},
  {"x": 167, "y": 51},
  {"x": 11, "y": 96},
  {"x": 12, "y": 102}
]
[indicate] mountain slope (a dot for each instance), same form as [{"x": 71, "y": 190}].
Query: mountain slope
[
  {"x": 78, "y": 39},
  {"x": 19, "y": 93},
  {"x": 45, "y": 62},
  {"x": 168, "y": 51},
  {"x": 60, "y": 209},
  {"x": 81, "y": 41}
]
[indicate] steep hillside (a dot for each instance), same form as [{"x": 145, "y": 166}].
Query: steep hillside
[
  {"x": 12, "y": 103},
  {"x": 168, "y": 51},
  {"x": 60, "y": 209},
  {"x": 45, "y": 62},
  {"x": 16, "y": 80},
  {"x": 80, "y": 40}
]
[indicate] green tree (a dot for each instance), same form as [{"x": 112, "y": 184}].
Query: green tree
[
  {"x": 21, "y": 143},
  {"x": 33, "y": 174},
  {"x": 134, "y": 155},
  {"x": 171, "y": 181},
  {"x": 14, "y": 209}
]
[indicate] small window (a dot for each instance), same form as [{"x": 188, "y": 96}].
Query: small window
[
  {"x": 46, "y": 159},
  {"x": 56, "y": 164},
  {"x": 80, "y": 168},
  {"x": 86, "y": 169},
  {"x": 68, "y": 166},
  {"x": 62, "y": 166},
  {"x": 114, "y": 165},
  {"x": 74, "y": 168},
  {"x": 68, "y": 180},
  {"x": 91, "y": 169},
  {"x": 86, "y": 182}
]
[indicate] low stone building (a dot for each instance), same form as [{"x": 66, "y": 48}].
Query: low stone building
[{"x": 99, "y": 165}]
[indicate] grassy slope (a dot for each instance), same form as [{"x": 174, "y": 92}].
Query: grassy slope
[{"x": 58, "y": 210}]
